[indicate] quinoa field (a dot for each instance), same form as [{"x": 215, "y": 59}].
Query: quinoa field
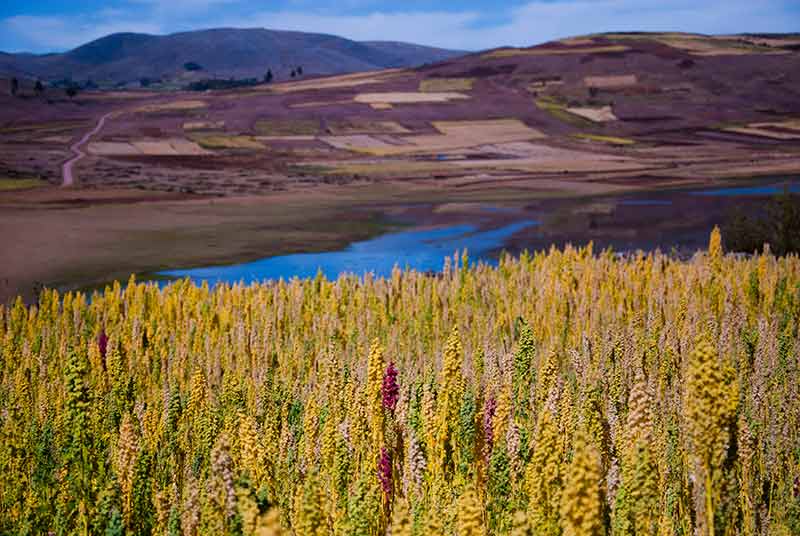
[{"x": 571, "y": 392}]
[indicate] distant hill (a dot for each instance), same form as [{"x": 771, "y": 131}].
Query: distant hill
[{"x": 217, "y": 53}]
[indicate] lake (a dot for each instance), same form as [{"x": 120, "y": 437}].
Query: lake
[{"x": 423, "y": 250}]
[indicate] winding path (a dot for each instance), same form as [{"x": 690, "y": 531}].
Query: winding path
[{"x": 66, "y": 167}]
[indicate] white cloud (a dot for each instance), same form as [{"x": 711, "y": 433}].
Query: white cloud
[{"x": 531, "y": 23}]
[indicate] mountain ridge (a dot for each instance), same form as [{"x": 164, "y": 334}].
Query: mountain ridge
[{"x": 128, "y": 57}]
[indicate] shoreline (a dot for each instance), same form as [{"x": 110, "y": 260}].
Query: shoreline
[{"x": 184, "y": 232}]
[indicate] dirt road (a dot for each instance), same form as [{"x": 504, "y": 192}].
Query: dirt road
[{"x": 66, "y": 168}]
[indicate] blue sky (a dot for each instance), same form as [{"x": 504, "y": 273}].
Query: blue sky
[{"x": 57, "y": 25}]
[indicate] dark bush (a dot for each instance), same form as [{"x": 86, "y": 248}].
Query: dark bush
[{"x": 777, "y": 224}]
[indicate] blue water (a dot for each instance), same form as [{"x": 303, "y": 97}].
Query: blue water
[
  {"x": 421, "y": 250},
  {"x": 772, "y": 189}
]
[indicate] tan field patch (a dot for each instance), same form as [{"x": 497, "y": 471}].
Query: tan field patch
[
  {"x": 497, "y": 129},
  {"x": 363, "y": 143},
  {"x": 791, "y": 124},
  {"x": 764, "y": 132},
  {"x": 511, "y": 52},
  {"x": 437, "y": 85},
  {"x": 106, "y": 148},
  {"x": 611, "y": 82},
  {"x": 177, "y": 106},
  {"x": 186, "y": 147},
  {"x": 155, "y": 148},
  {"x": 544, "y": 84},
  {"x": 598, "y": 115},
  {"x": 381, "y": 106},
  {"x": 203, "y": 125},
  {"x": 172, "y": 147},
  {"x": 407, "y": 97},
  {"x": 347, "y": 80}
]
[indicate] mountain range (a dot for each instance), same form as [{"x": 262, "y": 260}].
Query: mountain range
[{"x": 123, "y": 58}]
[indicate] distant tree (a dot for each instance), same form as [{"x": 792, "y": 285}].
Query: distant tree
[
  {"x": 144, "y": 82},
  {"x": 38, "y": 88},
  {"x": 299, "y": 71},
  {"x": 192, "y": 66},
  {"x": 294, "y": 73},
  {"x": 90, "y": 84},
  {"x": 72, "y": 91},
  {"x": 14, "y": 86},
  {"x": 268, "y": 77}
]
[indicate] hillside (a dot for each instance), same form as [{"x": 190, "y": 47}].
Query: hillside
[{"x": 220, "y": 53}]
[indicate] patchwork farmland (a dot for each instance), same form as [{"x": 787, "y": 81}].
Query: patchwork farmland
[{"x": 541, "y": 131}]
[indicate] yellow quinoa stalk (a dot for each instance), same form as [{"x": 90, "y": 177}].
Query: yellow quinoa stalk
[
  {"x": 502, "y": 412},
  {"x": 447, "y": 407},
  {"x": 127, "y": 450},
  {"x": 582, "y": 503},
  {"x": 270, "y": 524},
  {"x": 470, "y": 515},
  {"x": 544, "y": 478},
  {"x": 252, "y": 450},
  {"x": 401, "y": 519},
  {"x": 709, "y": 406},
  {"x": 375, "y": 368},
  {"x": 520, "y": 526}
]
